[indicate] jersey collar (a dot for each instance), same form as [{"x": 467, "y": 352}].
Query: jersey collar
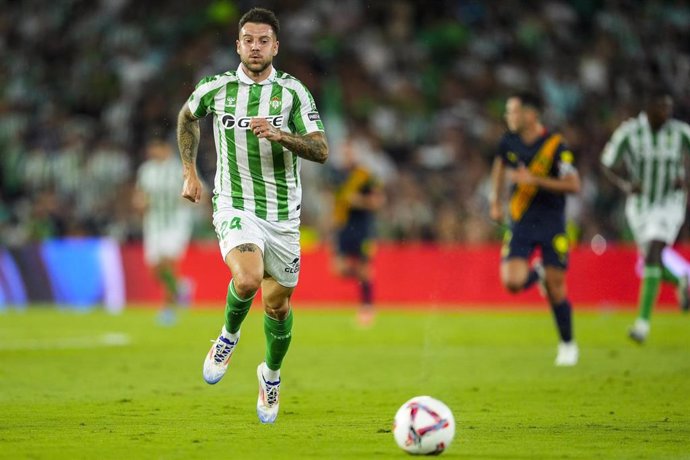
[
  {"x": 244, "y": 78},
  {"x": 644, "y": 120}
]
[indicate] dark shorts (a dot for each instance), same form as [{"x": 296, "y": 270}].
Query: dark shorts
[
  {"x": 355, "y": 244},
  {"x": 520, "y": 242}
]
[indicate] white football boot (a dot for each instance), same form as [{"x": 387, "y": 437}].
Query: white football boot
[
  {"x": 269, "y": 393},
  {"x": 639, "y": 331},
  {"x": 568, "y": 354},
  {"x": 218, "y": 358}
]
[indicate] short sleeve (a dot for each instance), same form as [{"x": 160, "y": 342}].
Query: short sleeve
[
  {"x": 141, "y": 174},
  {"x": 201, "y": 100},
  {"x": 565, "y": 161},
  {"x": 304, "y": 116},
  {"x": 614, "y": 147},
  {"x": 685, "y": 136}
]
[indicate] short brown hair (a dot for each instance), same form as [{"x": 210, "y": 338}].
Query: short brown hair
[
  {"x": 261, "y": 16},
  {"x": 530, "y": 99}
]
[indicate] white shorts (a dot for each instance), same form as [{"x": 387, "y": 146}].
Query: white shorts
[
  {"x": 660, "y": 222},
  {"x": 170, "y": 243},
  {"x": 278, "y": 241}
]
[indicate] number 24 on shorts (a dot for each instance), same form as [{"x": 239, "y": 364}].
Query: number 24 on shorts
[{"x": 234, "y": 224}]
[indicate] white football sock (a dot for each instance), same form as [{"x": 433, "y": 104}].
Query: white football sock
[
  {"x": 270, "y": 375},
  {"x": 231, "y": 337}
]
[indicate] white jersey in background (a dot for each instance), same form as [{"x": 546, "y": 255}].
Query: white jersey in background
[
  {"x": 655, "y": 161},
  {"x": 256, "y": 175},
  {"x": 168, "y": 218}
]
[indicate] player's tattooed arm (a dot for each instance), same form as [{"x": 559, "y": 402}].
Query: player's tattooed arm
[
  {"x": 188, "y": 135},
  {"x": 312, "y": 146}
]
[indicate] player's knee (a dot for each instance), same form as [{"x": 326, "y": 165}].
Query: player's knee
[
  {"x": 340, "y": 269},
  {"x": 277, "y": 308},
  {"x": 513, "y": 286},
  {"x": 246, "y": 284}
]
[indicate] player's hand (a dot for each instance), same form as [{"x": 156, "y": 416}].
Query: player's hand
[
  {"x": 632, "y": 188},
  {"x": 679, "y": 184},
  {"x": 265, "y": 130},
  {"x": 140, "y": 201},
  {"x": 496, "y": 212},
  {"x": 521, "y": 175},
  {"x": 191, "y": 189}
]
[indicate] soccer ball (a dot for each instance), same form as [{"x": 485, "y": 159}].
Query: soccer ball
[{"x": 424, "y": 425}]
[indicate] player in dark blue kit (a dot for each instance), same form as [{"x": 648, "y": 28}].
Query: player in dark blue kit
[
  {"x": 358, "y": 196},
  {"x": 541, "y": 170}
]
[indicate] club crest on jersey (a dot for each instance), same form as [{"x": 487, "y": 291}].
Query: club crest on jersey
[
  {"x": 275, "y": 103},
  {"x": 229, "y": 121}
]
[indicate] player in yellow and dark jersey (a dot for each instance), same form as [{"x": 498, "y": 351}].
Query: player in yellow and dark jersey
[
  {"x": 358, "y": 195},
  {"x": 541, "y": 169}
]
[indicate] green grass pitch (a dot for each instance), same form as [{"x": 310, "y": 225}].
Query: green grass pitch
[{"x": 91, "y": 385}]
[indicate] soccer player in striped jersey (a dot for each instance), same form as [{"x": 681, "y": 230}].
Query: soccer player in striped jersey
[
  {"x": 645, "y": 158},
  {"x": 541, "y": 169},
  {"x": 168, "y": 220},
  {"x": 265, "y": 121}
]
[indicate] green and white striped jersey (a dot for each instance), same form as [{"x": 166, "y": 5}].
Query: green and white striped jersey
[
  {"x": 167, "y": 211},
  {"x": 653, "y": 159},
  {"x": 254, "y": 174}
]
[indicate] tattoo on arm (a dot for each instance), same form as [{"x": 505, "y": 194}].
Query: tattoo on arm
[
  {"x": 312, "y": 147},
  {"x": 188, "y": 135},
  {"x": 247, "y": 247}
]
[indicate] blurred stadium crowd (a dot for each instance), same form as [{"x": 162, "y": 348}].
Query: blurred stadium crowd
[{"x": 418, "y": 86}]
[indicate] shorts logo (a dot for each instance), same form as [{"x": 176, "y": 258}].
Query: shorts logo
[
  {"x": 561, "y": 245},
  {"x": 293, "y": 267},
  {"x": 229, "y": 121},
  {"x": 313, "y": 116}
]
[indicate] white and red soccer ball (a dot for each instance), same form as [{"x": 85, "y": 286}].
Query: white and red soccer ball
[{"x": 424, "y": 425}]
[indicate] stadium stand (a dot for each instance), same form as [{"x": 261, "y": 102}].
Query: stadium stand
[{"x": 421, "y": 89}]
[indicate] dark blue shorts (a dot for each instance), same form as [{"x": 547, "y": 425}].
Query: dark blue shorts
[
  {"x": 520, "y": 242},
  {"x": 355, "y": 244}
]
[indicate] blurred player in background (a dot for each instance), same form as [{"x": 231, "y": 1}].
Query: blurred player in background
[
  {"x": 541, "y": 169},
  {"x": 168, "y": 222},
  {"x": 645, "y": 158},
  {"x": 265, "y": 122},
  {"x": 358, "y": 195}
]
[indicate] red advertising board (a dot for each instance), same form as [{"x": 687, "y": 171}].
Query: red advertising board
[{"x": 412, "y": 274}]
